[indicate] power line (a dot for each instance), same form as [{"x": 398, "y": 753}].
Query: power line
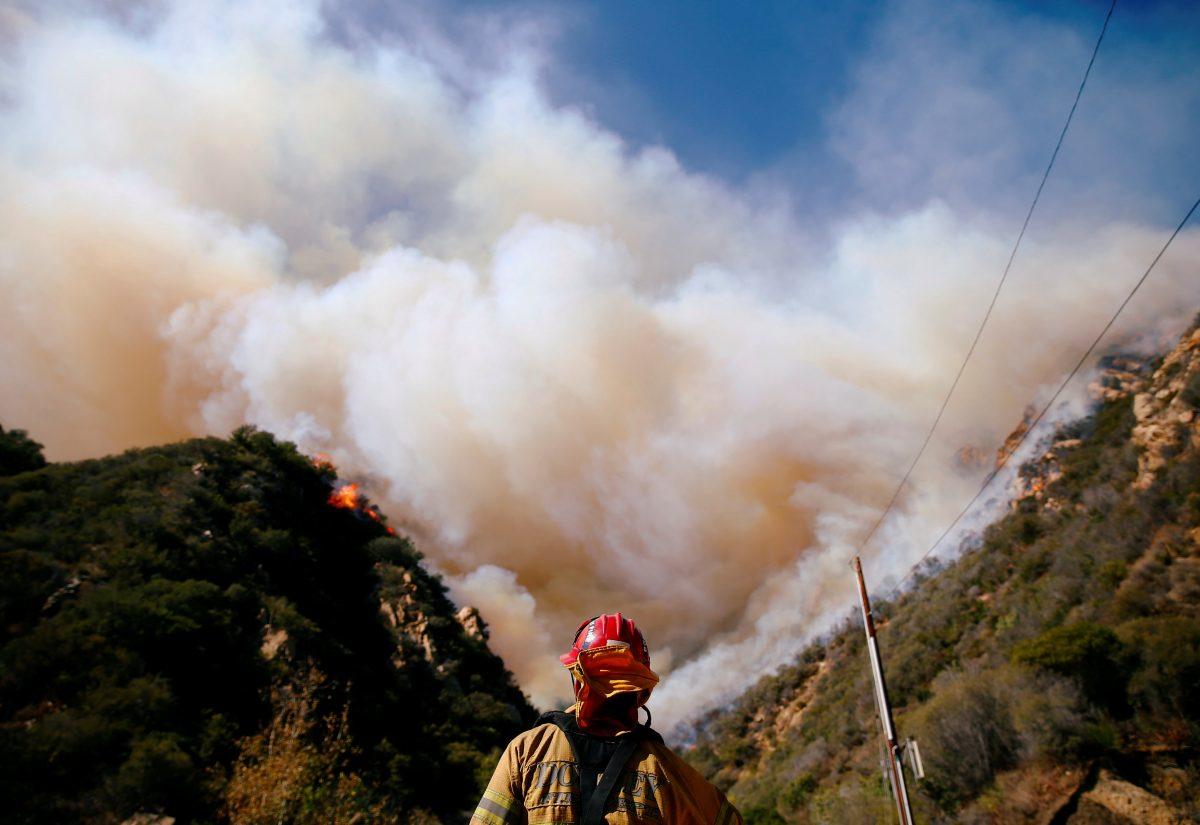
[
  {"x": 999, "y": 286},
  {"x": 1033, "y": 425}
]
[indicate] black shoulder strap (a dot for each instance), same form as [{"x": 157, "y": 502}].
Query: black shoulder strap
[{"x": 594, "y": 815}]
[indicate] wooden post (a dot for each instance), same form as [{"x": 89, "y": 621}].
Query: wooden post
[{"x": 895, "y": 767}]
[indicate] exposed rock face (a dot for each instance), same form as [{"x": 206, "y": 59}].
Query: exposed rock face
[
  {"x": 1120, "y": 375},
  {"x": 1164, "y": 404},
  {"x": 1117, "y": 801},
  {"x": 274, "y": 638},
  {"x": 472, "y": 622},
  {"x": 1166, "y": 409},
  {"x": 445, "y": 640},
  {"x": 405, "y": 614},
  {"x": 791, "y": 714}
]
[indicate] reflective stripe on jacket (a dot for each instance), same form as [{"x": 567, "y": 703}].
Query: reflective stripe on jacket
[{"x": 537, "y": 780}]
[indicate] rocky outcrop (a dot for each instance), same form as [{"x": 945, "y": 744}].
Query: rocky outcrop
[
  {"x": 1114, "y": 800},
  {"x": 408, "y": 608},
  {"x": 1166, "y": 410},
  {"x": 405, "y": 614},
  {"x": 1119, "y": 376},
  {"x": 274, "y": 639},
  {"x": 472, "y": 623},
  {"x": 1164, "y": 403}
]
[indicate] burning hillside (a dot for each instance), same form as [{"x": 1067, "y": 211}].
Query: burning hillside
[{"x": 347, "y": 497}]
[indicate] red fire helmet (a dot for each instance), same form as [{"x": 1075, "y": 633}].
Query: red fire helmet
[{"x": 607, "y": 629}]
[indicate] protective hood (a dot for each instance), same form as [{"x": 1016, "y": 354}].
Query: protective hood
[{"x": 604, "y": 672}]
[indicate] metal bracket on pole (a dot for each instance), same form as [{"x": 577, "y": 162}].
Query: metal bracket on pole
[
  {"x": 913, "y": 752},
  {"x": 895, "y": 766}
]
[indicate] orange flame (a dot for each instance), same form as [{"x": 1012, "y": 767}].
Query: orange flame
[
  {"x": 322, "y": 461},
  {"x": 347, "y": 497}
]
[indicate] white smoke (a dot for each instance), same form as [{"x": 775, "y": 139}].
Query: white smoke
[{"x": 587, "y": 378}]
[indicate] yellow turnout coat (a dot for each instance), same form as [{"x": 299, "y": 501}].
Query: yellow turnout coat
[{"x": 537, "y": 781}]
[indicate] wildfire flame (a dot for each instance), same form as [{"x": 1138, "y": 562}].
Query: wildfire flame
[{"x": 347, "y": 497}]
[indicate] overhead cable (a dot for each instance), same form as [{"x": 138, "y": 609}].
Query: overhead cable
[
  {"x": 1008, "y": 454},
  {"x": 999, "y": 286}
]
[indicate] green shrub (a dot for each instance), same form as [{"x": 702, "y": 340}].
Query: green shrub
[
  {"x": 1166, "y": 677},
  {"x": 798, "y": 791},
  {"x": 159, "y": 774},
  {"x": 1051, "y": 717},
  {"x": 1112, "y": 573},
  {"x": 858, "y": 800},
  {"x": 1086, "y": 652},
  {"x": 967, "y": 735}
]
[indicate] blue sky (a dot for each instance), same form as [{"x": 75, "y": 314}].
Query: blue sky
[
  {"x": 731, "y": 87},
  {"x": 965, "y": 98}
]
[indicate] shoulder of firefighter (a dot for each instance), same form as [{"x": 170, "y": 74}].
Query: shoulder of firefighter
[{"x": 539, "y": 781}]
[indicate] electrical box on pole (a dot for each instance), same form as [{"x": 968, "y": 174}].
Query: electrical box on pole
[
  {"x": 913, "y": 752},
  {"x": 894, "y": 765}
]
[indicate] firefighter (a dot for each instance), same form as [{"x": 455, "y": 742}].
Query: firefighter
[{"x": 595, "y": 763}]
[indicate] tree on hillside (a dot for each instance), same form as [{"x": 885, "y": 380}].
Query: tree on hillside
[{"x": 19, "y": 453}]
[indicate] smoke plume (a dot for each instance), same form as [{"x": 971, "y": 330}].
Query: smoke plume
[{"x": 584, "y": 377}]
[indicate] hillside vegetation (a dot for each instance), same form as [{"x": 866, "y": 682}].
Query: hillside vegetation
[
  {"x": 1050, "y": 674},
  {"x": 195, "y": 632}
]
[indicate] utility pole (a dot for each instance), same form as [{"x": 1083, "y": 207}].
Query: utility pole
[{"x": 895, "y": 767}]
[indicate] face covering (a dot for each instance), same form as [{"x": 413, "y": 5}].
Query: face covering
[{"x": 604, "y": 672}]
